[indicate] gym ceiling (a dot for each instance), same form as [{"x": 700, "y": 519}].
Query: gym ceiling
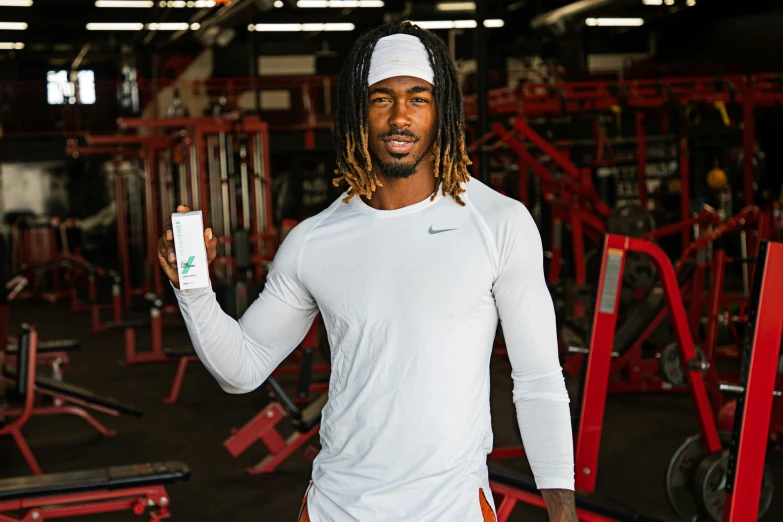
[{"x": 57, "y": 30}]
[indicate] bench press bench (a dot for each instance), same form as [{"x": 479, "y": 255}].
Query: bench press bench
[
  {"x": 133, "y": 488},
  {"x": 68, "y": 398},
  {"x": 514, "y": 488},
  {"x": 53, "y": 353},
  {"x": 262, "y": 427}
]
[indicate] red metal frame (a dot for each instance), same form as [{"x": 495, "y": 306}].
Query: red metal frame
[
  {"x": 510, "y": 496},
  {"x": 14, "y": 428},
  {"x": 600, "y": 355},
  {"x": 742, "y": 501},
  {"x": 263, "y": 427},
  {"x": 146, "y": 148},
  {"x": 574, "y": 200},
  {"x": 61, "y": 406},
  {"x": 156, "y": 354},
  {"x": 137, "y": 500},
  {"x": 176, "y": 384},
  {"x": 195, "y": 132}
]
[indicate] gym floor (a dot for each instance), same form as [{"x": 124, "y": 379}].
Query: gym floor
[{"x": 641, "y": 433}]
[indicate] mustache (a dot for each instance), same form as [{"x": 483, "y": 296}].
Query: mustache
[{"x": 404, "y": 133}]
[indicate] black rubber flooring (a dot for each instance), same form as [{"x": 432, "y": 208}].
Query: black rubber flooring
[{"x": 641, "y": 433}]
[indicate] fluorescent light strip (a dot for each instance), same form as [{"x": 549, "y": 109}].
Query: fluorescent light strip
[
  {"x": 115, "y": 27},
  {"x": 291, "y": 28},
  {"x": 339, "y": 3},
  {"x": 183, "y": 26},
  {"x": 124, "y": 3},
  {"x": 13, "y": 26},
  {"x": 16, "y": 3},
  {"x": 11, "y": 45},
  {"x": 614, "y": 22},
  {"x": 455, "y": 6},
  {"x": 652, "y": 2},
  {"x": 458, "y": 24},
  {"x": 179, "y": 4}
]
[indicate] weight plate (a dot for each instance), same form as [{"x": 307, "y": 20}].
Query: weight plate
[
  {"x": 632, "y": 220},
  {"x": 709, "y": 484},
  {"x": 671, "y": 366},
  {"x": 680, "y": 474},
  {"x": 639, "y": 272}
]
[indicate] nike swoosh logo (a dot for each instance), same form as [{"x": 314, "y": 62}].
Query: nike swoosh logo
[{"x": 431, "y": 231}]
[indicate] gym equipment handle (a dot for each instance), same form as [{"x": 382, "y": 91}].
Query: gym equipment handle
[
  {"x": 585, "y": 351},
  {"x": 736, "y": 388}
]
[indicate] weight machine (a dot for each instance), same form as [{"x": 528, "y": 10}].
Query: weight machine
[
  {"x": 686, "y": 474},
  {"x": 698, "y": 466},
  {"x": 221, "y": 166}
]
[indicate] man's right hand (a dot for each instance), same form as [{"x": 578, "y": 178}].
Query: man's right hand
[{"x": 168, "y": 258}]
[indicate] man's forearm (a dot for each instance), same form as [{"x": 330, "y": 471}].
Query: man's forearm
[{"x": 560, "y": 505}]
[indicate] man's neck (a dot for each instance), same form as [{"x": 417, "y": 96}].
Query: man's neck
[{"x": 401, "y": 193}]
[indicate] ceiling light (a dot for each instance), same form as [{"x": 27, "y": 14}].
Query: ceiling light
[
  {"x": 115, "y": 27},
  {"x": 11, "y": 45},
  {"x": 278, "y": 4},
  {"x": 13, "y": 26},
  {"x": 300, "y": 27},
  {"x": 652, "y": 2},
  {"x": 458, "y": 24},
  {"x": 124, "y": 3},
  {"x": 339, "y": 3},
  {"x": 455, "y": 6},
  {"x": 690, "y": 3},
  {"x": 614, "y": 22},
  {"x": 195, "y": 27},
  {"x": 183, "y": 26},
  {"x": 444, "y": 24},
  {"x": 16, "y": 3},
  {"x": 669, "y": 2}
]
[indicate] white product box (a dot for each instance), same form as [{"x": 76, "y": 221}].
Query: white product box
[{"x": 188, "y": 230}]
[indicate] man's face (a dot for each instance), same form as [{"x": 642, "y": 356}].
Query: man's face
[{"x": 403, "y": 119}]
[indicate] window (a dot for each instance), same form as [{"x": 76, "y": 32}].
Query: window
[{"x": 70, "y": 87}]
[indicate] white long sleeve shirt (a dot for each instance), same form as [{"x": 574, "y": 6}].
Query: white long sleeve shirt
[{"x": 411, "y": 300}]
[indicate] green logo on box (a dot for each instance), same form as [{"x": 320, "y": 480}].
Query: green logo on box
[{"x": 188, "y": 264}]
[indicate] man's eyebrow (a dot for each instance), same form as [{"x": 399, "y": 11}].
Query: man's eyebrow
[
  {"x": 418, "y": 88},
  {"x": 413, "y": 90}
]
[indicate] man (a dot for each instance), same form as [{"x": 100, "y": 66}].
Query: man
[{"x": 410, "y": 270}]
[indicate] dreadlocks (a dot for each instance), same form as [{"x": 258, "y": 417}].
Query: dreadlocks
[{"x": 354, "y": 163}]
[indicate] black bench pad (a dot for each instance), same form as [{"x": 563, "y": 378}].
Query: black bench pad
[
  {"x": 586, "y": 502},
  {"x": 311, "y": 415},
  {"x": 643, "y": 313},
  {"x": 60, "y": 345},
  {"x": 77, "y": 392},
  {"x": 182, "y": 351},
  {"x": 118, "y": 477},
  {"x": 130, "y": 323}
]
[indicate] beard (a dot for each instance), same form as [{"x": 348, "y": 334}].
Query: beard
[
  {"x": 399, "y": 169},
  {"x": 396, "y": 169}
]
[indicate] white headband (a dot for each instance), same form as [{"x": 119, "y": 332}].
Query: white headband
[{"x": 400, "y": 55}]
